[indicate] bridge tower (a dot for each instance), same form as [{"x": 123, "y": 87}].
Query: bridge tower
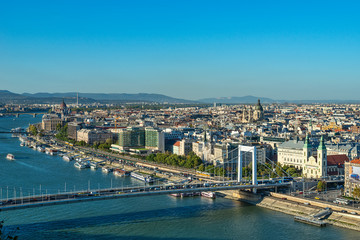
[{"x": 242, "y": 151}]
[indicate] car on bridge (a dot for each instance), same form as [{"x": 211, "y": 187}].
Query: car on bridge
[{"x": 94, "y": 194}]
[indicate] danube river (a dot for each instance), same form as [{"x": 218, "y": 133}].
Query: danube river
[{"x": 147, "y": 218}]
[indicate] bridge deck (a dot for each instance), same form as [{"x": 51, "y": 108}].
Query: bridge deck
[{"x": 104, "y": 194}]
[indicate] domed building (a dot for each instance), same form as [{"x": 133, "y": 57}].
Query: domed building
[
  {"x": 63, "y": 105},
  {"x": 64, "y": 110},
  {"x": 258, "y": 112},
  {"x": 253, "y": 114}
]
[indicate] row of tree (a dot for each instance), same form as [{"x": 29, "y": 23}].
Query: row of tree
[
  {"x": 35, "y": 131},
  {"x": 189, "y": 161},
  {"x": 269, "y": 170}
]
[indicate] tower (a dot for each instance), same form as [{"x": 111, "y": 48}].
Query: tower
[
  {"x": 322, "y": 157},
  {"x": 250, "y": 115},
  {"x": 307, "y": 149},
  {"x": 244, "y": 114}
]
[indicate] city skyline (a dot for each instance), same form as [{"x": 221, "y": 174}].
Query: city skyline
[{"x": 182, "y": 49}]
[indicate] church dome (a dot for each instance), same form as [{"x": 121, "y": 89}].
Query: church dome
[{"x": 258, "y": 106}]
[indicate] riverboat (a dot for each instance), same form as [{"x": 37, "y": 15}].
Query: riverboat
[
  {"x": 10, "y": 157},
  {"x": 190, "y": 194},
  {"x": 121, "y": 172},
  {"x": 143, "y": 177},
  {"x": 208, "y": 194},
  {"x": 106, "y": 169},
  {"x": 40, "y": 149},
  {"x": 53, "y": 152},
  {"x": 175, "y": 194},
  {"x": 67, "y": 158},
  {"x": 93, "y": 165},
  {"x": 80, "y": 165}
]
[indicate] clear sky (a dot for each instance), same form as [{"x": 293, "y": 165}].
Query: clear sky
[{"x": 187, "y": 49}]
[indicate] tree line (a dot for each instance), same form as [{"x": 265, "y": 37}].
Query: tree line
[{"x": 189, "y": 161}]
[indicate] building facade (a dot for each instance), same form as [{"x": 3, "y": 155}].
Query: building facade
[
  {"x": 91, "y": 136},
  {"x": 72, "y": 129},
  {"x": 185, "y": 147},
  {"x": 154, "y": 139},
  {"x": 314, "y": 161},
  {"x": 131, "y": 137},
  {"x": 315, "y": 166},
  {"x": 50, "y": 121},
  {"x": 352, "y": 177}
]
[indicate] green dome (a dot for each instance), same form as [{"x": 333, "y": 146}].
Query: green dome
[{"x": 258, "y": 106}]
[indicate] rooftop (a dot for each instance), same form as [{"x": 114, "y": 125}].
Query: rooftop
[
  {"x": 335, "y": 160},
  {"x": 357, "y": 161}
]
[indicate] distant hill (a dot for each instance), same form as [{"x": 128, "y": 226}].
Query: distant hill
[
  {"x": 116, "y": 97},
  {"x": 9, "y": 97},
  {"x": 237, "y": 100},
  {"x": 88, "y": 98}
]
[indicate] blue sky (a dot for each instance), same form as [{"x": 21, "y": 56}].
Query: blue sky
[{"x": 186, "y": 49}]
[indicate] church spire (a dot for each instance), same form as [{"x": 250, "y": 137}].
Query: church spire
[
  {"x": 322, "y": 144},
  {"x": 307, "y": 144}
]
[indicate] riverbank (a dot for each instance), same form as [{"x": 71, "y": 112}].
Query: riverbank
[
  {"x": 302, "y": 207},
  {"x": 106, "y": 163}
]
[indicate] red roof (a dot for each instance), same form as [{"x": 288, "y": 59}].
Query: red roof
[
  {"x": 177, "y": 144},
  {"x": 336, "y": 160},
  {"x": 356, "y": 161}
]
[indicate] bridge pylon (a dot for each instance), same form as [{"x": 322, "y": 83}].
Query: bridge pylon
[{"x": 242, "y": 150}]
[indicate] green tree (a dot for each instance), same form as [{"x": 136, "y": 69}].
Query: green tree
[
  {"x": 62, "y": 132},
  {"x": 151, "y": 157},
  {"x": 356, "y": 192},
  {"x": 321, "y": 186},
  {"x": 58, "y": 127},
  {"x": 201, "y": 167},
  {"x": 33, "y": 130}
]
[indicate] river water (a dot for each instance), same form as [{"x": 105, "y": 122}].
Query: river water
[{"x": 144, "y": 218}]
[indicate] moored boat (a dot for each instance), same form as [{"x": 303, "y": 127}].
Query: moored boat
[
  {"x": 176, "y": 194},
  {"x": 67, "y": 158},
  {"x": 40, "y": 149},
  {"x": 121, "y": 172},
  {"x": 93, "y": 165},
  {"x": 106, "y": 169},
  {"x": 208, "y": 194},
  {"x": 142, "y": 177},
  {"x": 80, "y": 165},
  {"x": 53, "y": 152}
]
